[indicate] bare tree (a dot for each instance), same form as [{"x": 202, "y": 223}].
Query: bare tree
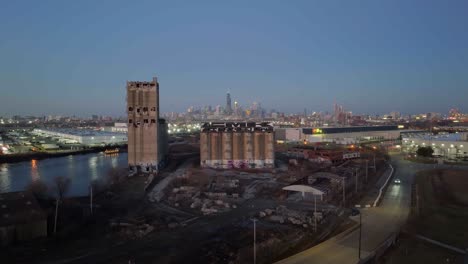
[
  {"x": 61, "y": 186},
  {"x": 38, "y": 188}
]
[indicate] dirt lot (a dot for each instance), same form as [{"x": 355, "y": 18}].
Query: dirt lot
[
  {"x": 443, "y": 206},
  {"x": 410, "y": 250},
  {"x": 209, "y": 210}
]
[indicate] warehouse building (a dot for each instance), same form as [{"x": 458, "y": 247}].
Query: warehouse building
[
  {"x": 117, "y": 128},
  {"x": 82, "y": 136},
  {"x": 454, "y": 145},
  {"x": 331, "y": 156},
  {"x": 237, "y": 145},
  {"x": 339, "y": 135}
]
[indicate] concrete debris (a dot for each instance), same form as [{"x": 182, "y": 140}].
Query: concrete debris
[
  {"x": 216, "y": 195},
  {"x": 144, "y": 230},
  {"x": 282, "y": 214},
  {"x": 294, "y": 221},
  {"x": 114, "y": 224},
  {"x": 277, "y": 218},
  {"x": 208, "y": 211},
  {"x": 157, "y": 193},
  {"x": 293, "y": 162},
  {"x": 187, "y": 189},
  {"x": 226, "y": 183}
]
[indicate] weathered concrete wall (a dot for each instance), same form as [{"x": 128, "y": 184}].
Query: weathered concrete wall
[
  {"x": 147, "y": 138},
  {"x": 232, "y": 149}
]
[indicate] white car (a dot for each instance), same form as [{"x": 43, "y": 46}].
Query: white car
[{"x": 397, "y": 181}]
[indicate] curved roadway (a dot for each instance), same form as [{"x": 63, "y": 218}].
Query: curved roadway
[{"x": 378, "y": 223}]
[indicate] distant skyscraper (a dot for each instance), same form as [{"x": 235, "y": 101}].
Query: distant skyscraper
[
  {"x": 228, "y": 104},
  {"x": 147, "y": 134},
  {"x": 218, "y": 110}
]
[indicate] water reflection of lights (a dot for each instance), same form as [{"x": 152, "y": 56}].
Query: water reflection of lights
[
  {"x": 71, "y": 163},
  {"x": 3, "y": 167},
  {"x": 5, "y": 178},
  {"x": 93, "y": 167},
  {"x": 34, "y": 171},
  {"x": 114, "y": 159}
]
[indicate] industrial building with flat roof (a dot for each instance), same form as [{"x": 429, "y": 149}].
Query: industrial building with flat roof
[
  {"x": 454, "y": 145},
  {"x": 83, "y": 136},
  {"x": 147, "y": 133},
  {"x": 339, "y": 135},
  {"x": 237, "y": 145}
]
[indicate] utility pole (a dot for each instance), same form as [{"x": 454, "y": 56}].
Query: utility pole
[
  {"x": 356, "y": 176},
  {"x": 360, "y": 233},
  {"x": 367, "y": 168},
  {"x": 56, "y": 213},
  {"x": 255, "y": 241},
  {"x": 375, "y": 168},
  {"x": 417, "y": 200}
]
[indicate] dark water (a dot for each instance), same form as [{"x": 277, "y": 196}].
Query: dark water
[{"x": 81, "y": 169}]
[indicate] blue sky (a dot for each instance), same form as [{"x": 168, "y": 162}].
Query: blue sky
[{"x": 73, "y": 57}]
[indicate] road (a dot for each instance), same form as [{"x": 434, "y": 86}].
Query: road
[{"x": 378, "y": 223}]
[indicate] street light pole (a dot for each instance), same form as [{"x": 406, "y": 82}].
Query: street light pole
[
  {"x": 344, "y": 192},
  {"x": 91, "y": 198},
  {"x": 315, "y": 213},
  {"x": 255, "y": 241},
  {"x": 360, "y": 231},
  {"x": 367, "y": 168},
  {"x": 375, "y": 168}
]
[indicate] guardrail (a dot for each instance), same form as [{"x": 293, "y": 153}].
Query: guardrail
[
  {"x": 440, "y": 244},
  {"x": 385, "y": 185},
  {"x": 380, "y": 249}
]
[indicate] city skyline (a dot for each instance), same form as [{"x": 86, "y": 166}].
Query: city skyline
[
  {"x": 221, "y": 104},
  {"x": 406, "y": 57}
]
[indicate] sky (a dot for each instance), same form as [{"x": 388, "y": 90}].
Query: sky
[{"x": 74, "y": 57}]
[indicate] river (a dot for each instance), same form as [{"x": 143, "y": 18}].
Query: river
[{"x": 81, "y": 169}]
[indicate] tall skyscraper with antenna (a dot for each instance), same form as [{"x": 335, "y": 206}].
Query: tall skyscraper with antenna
[{"x": 228, "y": 104}]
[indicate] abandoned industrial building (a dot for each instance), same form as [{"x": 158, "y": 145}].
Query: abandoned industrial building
[
  {"x": 237, "y": 145},
  {"x": 147, "y": 133}
]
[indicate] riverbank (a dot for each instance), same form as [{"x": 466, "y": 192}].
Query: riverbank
[{"x": 12, "y": 158}]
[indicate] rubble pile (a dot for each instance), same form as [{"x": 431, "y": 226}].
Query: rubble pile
[
  {"x": 132, "y": 230},
  {"x": 284, "y": 215},
  {"x": 214, "y": 202}
]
